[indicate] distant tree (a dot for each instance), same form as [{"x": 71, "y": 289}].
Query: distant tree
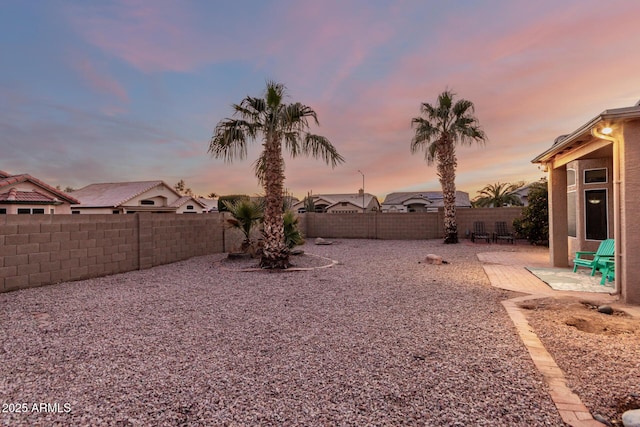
[
  {"x": 278, "y": 124},
  {"x": 498, "y": 195},
  {"x": 67, "y": 189},
  {"x": 443, "y": 126},
  {"x": 534, "y": 222},
  {"x": 182, "y": 188},
  {"x": 212, "y": 195}
]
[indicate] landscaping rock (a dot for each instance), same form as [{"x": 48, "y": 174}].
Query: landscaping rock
[
  {"x": 433, "y": 259},
  {"x": 321, "y": 241},
  {"x": 602, "y": 420},
  {"x": 606, "y": 309},
  {"x": 631, "y": 418},
  {"x": 297, "y": 252}
]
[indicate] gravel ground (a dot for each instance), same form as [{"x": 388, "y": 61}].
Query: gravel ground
[
  {"x": 379, "y": 339},
  {"x": 599, "y": 353}
]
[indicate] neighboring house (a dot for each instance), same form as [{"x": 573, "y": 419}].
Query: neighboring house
[
  {"x": 131, "y": 197},
  {"x": 210, "y": 205},
  {"x": 421, "y": 201},
  {"x": 341, "y": 203},
  {"x": 594, "y": 180},
  {"x": 24, "y": 194},
  {"x": 523, "y": 194}
]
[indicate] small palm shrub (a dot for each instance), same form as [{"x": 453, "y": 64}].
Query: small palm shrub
[
  {"x": 245, "y": 216},
  {"x": 292, "y": 234}
]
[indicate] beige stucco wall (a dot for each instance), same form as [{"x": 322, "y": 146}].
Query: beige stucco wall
[
  {"x": 162, "y": 195},
  {"x": 101, "y": 211},
  {"x": 629, "y": 258},
  {"x": 580, "y": 242},
  {"x": 185, "y": 208}
]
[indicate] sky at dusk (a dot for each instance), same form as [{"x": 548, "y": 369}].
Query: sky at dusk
[{"x": 110, "y": 91}]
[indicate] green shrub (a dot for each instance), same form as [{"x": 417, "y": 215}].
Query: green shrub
[
  {"x": 245, "y": 215},
  {"x": 533, "y": 225},
  {"x": 292, "y": 234},
  {"x": 232, "y": 198}
]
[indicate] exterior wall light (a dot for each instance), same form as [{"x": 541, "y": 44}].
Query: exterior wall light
[{"x": 606, "y": 131}]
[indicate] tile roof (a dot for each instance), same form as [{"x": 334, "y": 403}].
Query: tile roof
[
  {"x": 209, "y": 204},
  {"x": 26, "y": 197},
  {"x": 184, "y": 199},
  {"x": 9, "y": 181},
  {"x": 435, "y": 197},
  {"x": 333, "y": 199},
  {"x": 113, "y": 194}
]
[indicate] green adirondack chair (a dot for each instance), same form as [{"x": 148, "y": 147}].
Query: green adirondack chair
[
  {"x": 598, "y": 260},
  {"x": 609, "y": 271}
]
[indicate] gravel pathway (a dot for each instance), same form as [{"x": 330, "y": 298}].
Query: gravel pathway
[{"x": 379, "y": 339}]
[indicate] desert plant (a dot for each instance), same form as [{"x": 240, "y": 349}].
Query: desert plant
[
  {"x": 231, "y": 198},
  {"x": 292, "y": 234},
  {"x": 245, "y": 216},
  {"x": 309, "y": 205}
]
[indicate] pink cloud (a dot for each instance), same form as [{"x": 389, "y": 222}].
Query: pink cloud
[
  {"x": 101, "y": 82},
  {"x": 152, "y": 36}
]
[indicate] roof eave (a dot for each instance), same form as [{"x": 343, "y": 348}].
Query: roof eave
[{"x": 618, "y": 114}]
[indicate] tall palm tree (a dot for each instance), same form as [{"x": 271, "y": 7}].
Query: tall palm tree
[
  {"x": 498, "y": 195},
  {"x": 439, "y": 130},
  {"x": 277, "y": 124}
]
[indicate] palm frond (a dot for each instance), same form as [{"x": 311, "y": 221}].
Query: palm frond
[
  {"x": 319, "y": 147},
  {"x": 229, "y": 140}
]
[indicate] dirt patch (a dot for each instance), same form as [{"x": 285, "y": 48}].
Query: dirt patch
[
  {"x": 585, "y": 316},
  {"x": 298, "y": 262},
  {"x": 592, "y": 349}
]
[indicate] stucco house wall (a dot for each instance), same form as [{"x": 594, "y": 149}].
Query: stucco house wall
[
  {"x": 629, "y": 256},
  {"x": 611, "y": 140},
  {"x": 580, "y": 242}
]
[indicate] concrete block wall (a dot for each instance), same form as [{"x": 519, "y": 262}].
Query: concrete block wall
[
  {"x": 179, "y": 237},
  {"x": 43, "y": 249},
  {"x": 401, "y": 226},
  {"x": 38, "y": 250}
]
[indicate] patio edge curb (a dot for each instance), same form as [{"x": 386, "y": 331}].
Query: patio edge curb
[{"x": 569, "y": 404}]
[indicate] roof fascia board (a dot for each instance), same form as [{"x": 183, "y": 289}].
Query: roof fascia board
[{"x": 618, "y": 114}]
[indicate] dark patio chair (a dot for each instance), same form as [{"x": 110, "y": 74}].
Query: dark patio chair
[
  {"x": 502, "y": 233},
  {"x": 479, "y": 233}
]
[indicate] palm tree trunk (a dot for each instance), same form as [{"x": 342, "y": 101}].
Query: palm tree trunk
[
  {"x": 447, "y": 172},
  {"x": 275, "y": 253}
]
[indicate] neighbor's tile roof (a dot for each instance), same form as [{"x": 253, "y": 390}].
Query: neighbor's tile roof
[
  {"x": 352, "y": 198},
  {"x": 435, "y": 197},
  {"x": 8, "y": 181},
  {"x": 112, "y": 194},
  {"x": 184, "y": 199},
  {"x": 209, "y": 204},
  {"x": 25, "y": 197}
]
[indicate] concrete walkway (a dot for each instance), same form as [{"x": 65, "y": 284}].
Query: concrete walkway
[{"x": 506, "y": 271}]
